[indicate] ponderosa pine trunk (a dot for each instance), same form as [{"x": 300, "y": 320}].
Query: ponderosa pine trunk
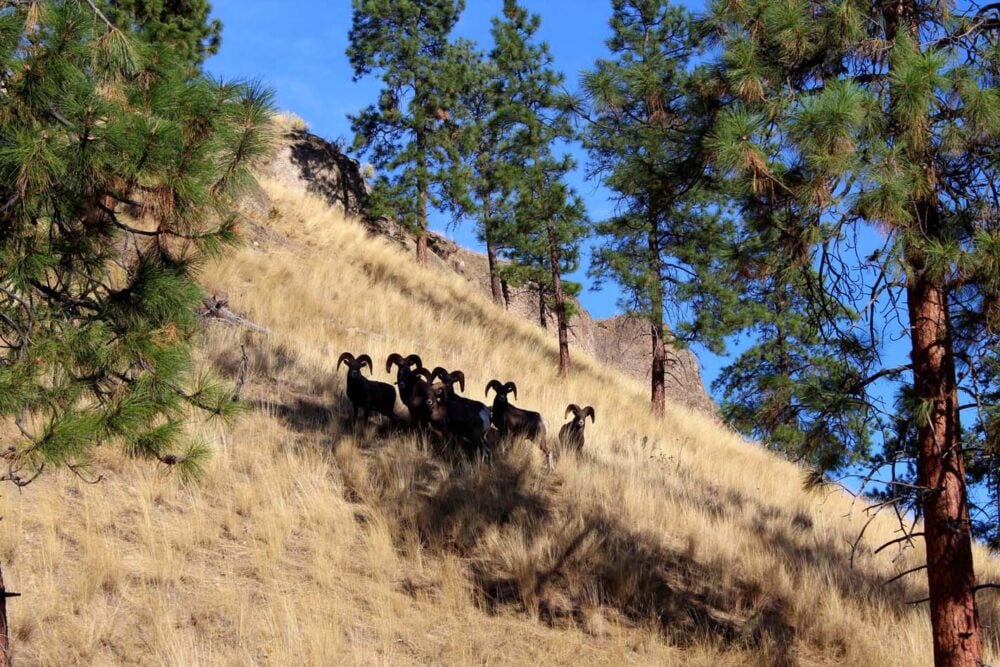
[
  {"x": 561, "y": 323},
  {"x": 422, "y": 200},
  {"x": 496, "y": 289},
  {"x": 951, "y": 577},
  {"x": 658, "y": 370},
  {"x": 543, "y": 316},
  {"x": 422, "y": 227}
]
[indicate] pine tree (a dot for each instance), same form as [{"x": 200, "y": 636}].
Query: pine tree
[
  {"x": 492, "y": 174},
  {"x": 185, "y": 25},
  {"x": 549, "y": 218},
  {"x": 117, "y": 171},
  {"x": 645, "y": 121},
  {"x": 411, "y": 132},
  {"x": 877, "y": 125}
]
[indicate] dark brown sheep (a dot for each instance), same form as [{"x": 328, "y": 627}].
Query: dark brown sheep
[
  {"x": 571, "y": 433},
  {"x": 407, "y": 369},
  {"x": 366, "y": 395},
  {"x": 457, "y": 417},
  {"x": 512, "y": 421}
]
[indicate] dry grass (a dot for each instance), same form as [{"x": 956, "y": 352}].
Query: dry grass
[{"x": 667, "y": 542}]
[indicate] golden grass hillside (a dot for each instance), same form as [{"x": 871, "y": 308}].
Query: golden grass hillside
[{"x": 307, "y": 542}]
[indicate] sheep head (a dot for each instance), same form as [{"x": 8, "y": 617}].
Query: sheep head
[
  {"x": 449, "y": 379},
  {"x": 580, "y": 414},
  {"x": 355, "y": 364},
  {"x": 402, "y": 362},
  {"x": 501, "y": 389}
]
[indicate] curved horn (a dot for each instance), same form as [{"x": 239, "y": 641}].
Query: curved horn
[
  {"x": 346, "y": 356},
  {"x": 424, "y": 373},
  {"x": 459, "y": 377},
  {"x": 413, "y": 360},
  {"x": 439, "y": 372},
  {"x": 572, "y": 407},
  {"x": 365, "y": 359},
  {"x": 495, "y": 386},
  {"x": 512, "y": 388},
  {"x": 394, "y": 358},
  {"x": 589, "y": 411}
]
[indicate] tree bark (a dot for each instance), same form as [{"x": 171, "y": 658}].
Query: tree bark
[
  {"x": 422, "y": 229},
  {"x": 951, "y": 578},
  {"x": 658, "y": 371},
  {"x": 543, "y": 318},
  {"x": 491, "y": 254},
  {"x": 5, "y": 660},
  {"x": 421, "y": 198},
  {"x": 562, "y": 324}
]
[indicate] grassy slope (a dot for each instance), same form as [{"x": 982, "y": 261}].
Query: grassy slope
[{"x": 668, "y": 542}]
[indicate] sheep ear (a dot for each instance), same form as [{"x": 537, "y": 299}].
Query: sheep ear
[
  {"x": 365, "y": 359},
  {"x": 413, "y": 360},
  {"x": 346, "y": 356},
  {"x": 394, "y": 358},
  {"x": 511, "y": 387},
  {"x": 572, "y": 407},
  {"x": 459, "y": 377},
  {"x": 495, "y": 386},
  {"x": 589, "y": 411}
]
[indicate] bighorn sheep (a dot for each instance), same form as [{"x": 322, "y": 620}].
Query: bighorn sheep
[
  {"x": 407, "y": 377},
  {"x": 366, "y": 395},
  {"x": 512, "y": 421},
  {"x": 571, "y": 433},
  {"x": 457, "y": 416},
  {"x": 418, "y": 402}
]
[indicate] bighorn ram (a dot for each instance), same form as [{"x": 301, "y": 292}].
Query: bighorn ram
[
  {"x": 571, "y": 433},
  {"x": 512, "y": 421},
  {"x": 364, "y": 394},
  {"x": 418, "y": 402},
  {"x": 407, "y": 377},
  {"x": 457, "y": 416}
]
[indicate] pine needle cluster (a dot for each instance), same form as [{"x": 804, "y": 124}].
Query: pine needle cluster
[{"x": 118, "y": 169}]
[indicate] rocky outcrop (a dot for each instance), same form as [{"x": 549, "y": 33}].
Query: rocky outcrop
[
  {"x": 306, "y": 161},
  {"x": 626, "y": 342}
]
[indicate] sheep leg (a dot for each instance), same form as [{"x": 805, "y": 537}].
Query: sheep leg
[{"x": 484, "y": 448}]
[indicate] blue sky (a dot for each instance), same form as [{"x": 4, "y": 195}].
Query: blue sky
[{"x": 298, "y": 48}]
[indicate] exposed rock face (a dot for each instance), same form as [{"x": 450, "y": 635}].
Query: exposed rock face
[
  {"x": 306, "y": 161},
  {"x": 626, "y": 342},
  {"x": 311, "y": 162}
]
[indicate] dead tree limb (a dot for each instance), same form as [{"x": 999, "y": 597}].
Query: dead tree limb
[
  {"x": 903, "y": 574},
  {"x": 218, "y": 308}
]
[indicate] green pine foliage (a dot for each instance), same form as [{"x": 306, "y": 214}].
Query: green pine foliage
[
  {"x": 412, "y": 133},
  {"x": 117, "y": 172},
  {"x": 865, "y": 137},
  {"x": 549, "y": 222},
  {"x": 647, "y": 110},
  {"x": 184, "y": 25},
  {"x": 826, "y": 134},
  {"x": 489, "y": 161}
]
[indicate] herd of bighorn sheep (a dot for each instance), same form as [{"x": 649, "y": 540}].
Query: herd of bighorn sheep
[{"x": 436, "y": 406}]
